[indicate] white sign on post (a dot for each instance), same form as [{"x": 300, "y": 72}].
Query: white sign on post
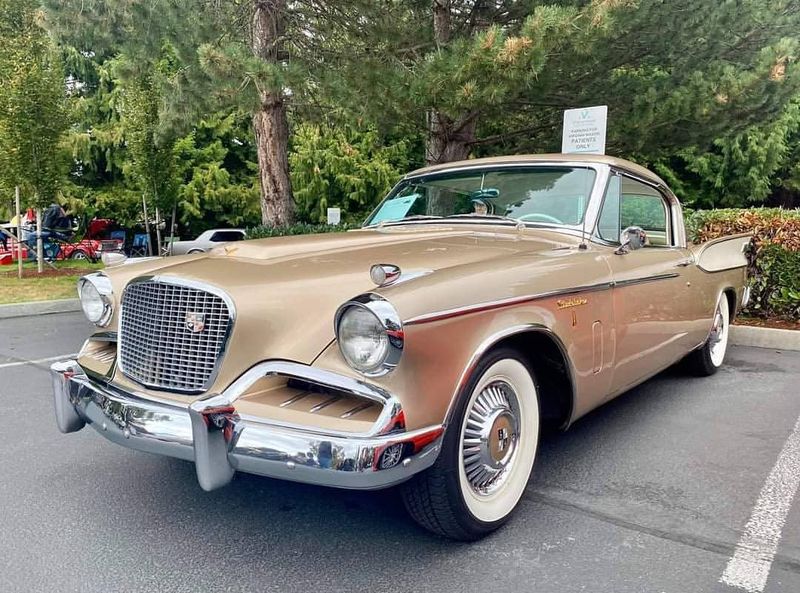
[
  {"x": 334, "y": 215},
  {"x": 585, "y": 130}
]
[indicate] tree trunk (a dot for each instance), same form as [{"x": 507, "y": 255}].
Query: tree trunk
[
  {"x": 448, "y": 140},
  {"x": 270, "y": 125},
  {"x": 441, "y": 21},
  {"x": 451, "y": 139}
]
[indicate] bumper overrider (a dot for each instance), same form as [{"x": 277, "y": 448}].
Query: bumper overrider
[{"x": 210, "y": 432}]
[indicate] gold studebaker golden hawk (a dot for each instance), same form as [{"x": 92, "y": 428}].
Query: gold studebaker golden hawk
[{"x": 481, "y": 302}]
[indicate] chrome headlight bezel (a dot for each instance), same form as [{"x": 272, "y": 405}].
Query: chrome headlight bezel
[
  {"x": 387, "y": 319},
  {"x": 102, "y": 285}
]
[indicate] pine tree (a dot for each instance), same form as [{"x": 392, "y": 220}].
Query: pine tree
[{"x": 486, "y": 76}]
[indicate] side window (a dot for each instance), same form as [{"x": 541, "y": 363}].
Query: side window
[
  {"x": 220, "y": 236},
  {"x": 608, "y": 227},
  {"x": 632, "y": 203}
]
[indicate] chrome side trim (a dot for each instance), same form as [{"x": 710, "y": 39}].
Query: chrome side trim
[
  {"x": 645, "y": 279},
  {"x": 490, "y": 305},
  {"x": 197, "y": 285}
]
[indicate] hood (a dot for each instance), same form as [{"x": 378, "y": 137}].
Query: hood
[{"x": 286, "y": 290}]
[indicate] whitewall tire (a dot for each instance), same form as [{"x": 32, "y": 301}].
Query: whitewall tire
[
  {"x": 487, "y": 453},
  {"x": 707, "y": 359}
]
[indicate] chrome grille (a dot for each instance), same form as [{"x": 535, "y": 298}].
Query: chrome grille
[{"x": 158, "y": 348}]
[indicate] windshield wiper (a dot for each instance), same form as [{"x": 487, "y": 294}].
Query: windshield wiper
[
  {"x": 407, "y": 218},
  {"x": 490, "y": 216}
]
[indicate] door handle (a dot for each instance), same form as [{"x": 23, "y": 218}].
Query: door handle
[{"x": 684, "y": 263}]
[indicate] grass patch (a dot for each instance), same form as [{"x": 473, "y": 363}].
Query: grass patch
[{"x": 50, "y": 285}]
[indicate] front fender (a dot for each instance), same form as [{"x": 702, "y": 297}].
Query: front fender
[{"x": 439, "y": 355}]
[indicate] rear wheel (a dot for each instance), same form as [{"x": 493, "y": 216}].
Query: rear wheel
[
  {"x": 487, "y": 453},
  {"x": 707, "y": 359}
]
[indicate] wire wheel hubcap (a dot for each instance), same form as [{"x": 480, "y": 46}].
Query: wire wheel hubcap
[{"x": 490, "y": 439}]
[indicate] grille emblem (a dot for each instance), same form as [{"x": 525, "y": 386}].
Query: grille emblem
[{"x": 195, "y": 322}]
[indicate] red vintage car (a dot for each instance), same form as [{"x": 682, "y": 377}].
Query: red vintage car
[{"x": 90, "y": 247}]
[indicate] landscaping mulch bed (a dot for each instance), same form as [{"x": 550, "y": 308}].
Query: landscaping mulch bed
[{"x": 771, "y": 323}]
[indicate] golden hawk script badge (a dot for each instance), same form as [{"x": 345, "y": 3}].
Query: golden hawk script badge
[{"x": 567, "y": 303}]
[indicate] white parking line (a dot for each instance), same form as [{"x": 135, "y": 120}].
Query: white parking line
[
  {"x": 749, "y": 567},
  {"x": 38, "y": 361}
]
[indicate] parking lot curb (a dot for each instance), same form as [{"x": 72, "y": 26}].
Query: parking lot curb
[
  {"x": 39, "y": 308},
  {"x": 765, "y": 337}
]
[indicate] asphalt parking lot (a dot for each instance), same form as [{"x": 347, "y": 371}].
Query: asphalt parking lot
[{"x": 656, "y": 491}]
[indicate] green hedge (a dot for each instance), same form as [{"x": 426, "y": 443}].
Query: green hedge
[
  {"x": 775, "y": 275},
  {"x": 302, "y": 228}
]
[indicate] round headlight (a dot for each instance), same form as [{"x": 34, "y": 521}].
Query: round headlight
[
  {"x": 96, "y": 305},
  {"x": 363, "y": 339},
  {"x": 370, "y": 334}
]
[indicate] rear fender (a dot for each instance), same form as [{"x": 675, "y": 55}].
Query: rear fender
[{"x": 725, "y": 253}]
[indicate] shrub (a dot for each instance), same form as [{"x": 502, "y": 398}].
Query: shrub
[
  {"x": 342, "y": 167},
  {"x": 775, "y": 276},
  {"x": 262, "y": 232},
  {"x": 769, "y": 225}
]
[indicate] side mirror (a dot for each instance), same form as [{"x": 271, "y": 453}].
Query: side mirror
[{"x": 631, "y": 239}]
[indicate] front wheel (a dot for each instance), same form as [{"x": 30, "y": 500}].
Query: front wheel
[
  {"x": 487, "y": 453},
  {"x": 707, "y": 359}
]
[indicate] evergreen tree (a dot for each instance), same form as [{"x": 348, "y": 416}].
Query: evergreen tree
[
  {"x": 216, "y": 164},
  {"x": 32, "y": 104},
  {"x": 228, "y": 54},
  {"x": 344, "y": 167},
  {"x": 484, "y": 76},
  {"x": 150, "y": 161},
  {"x": 742, "y": 169}
]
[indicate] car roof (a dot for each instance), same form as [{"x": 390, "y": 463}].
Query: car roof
[{"x": 523, "y": 159}]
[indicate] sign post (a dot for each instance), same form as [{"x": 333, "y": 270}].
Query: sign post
[
  {"x": 19, "y": 232},
  {"x": 585, "y": 130}
]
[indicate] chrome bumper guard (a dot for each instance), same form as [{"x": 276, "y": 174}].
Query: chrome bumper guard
[{"x": 220, "y": 442}]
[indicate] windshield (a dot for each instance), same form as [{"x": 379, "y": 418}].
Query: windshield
[{"x": 542, "y": 194}]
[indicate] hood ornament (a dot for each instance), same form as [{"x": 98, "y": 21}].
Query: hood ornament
[{"x": 384, "y": 274}]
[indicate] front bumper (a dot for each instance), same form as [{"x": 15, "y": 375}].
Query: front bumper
[{"x": 220, "y": 442}]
